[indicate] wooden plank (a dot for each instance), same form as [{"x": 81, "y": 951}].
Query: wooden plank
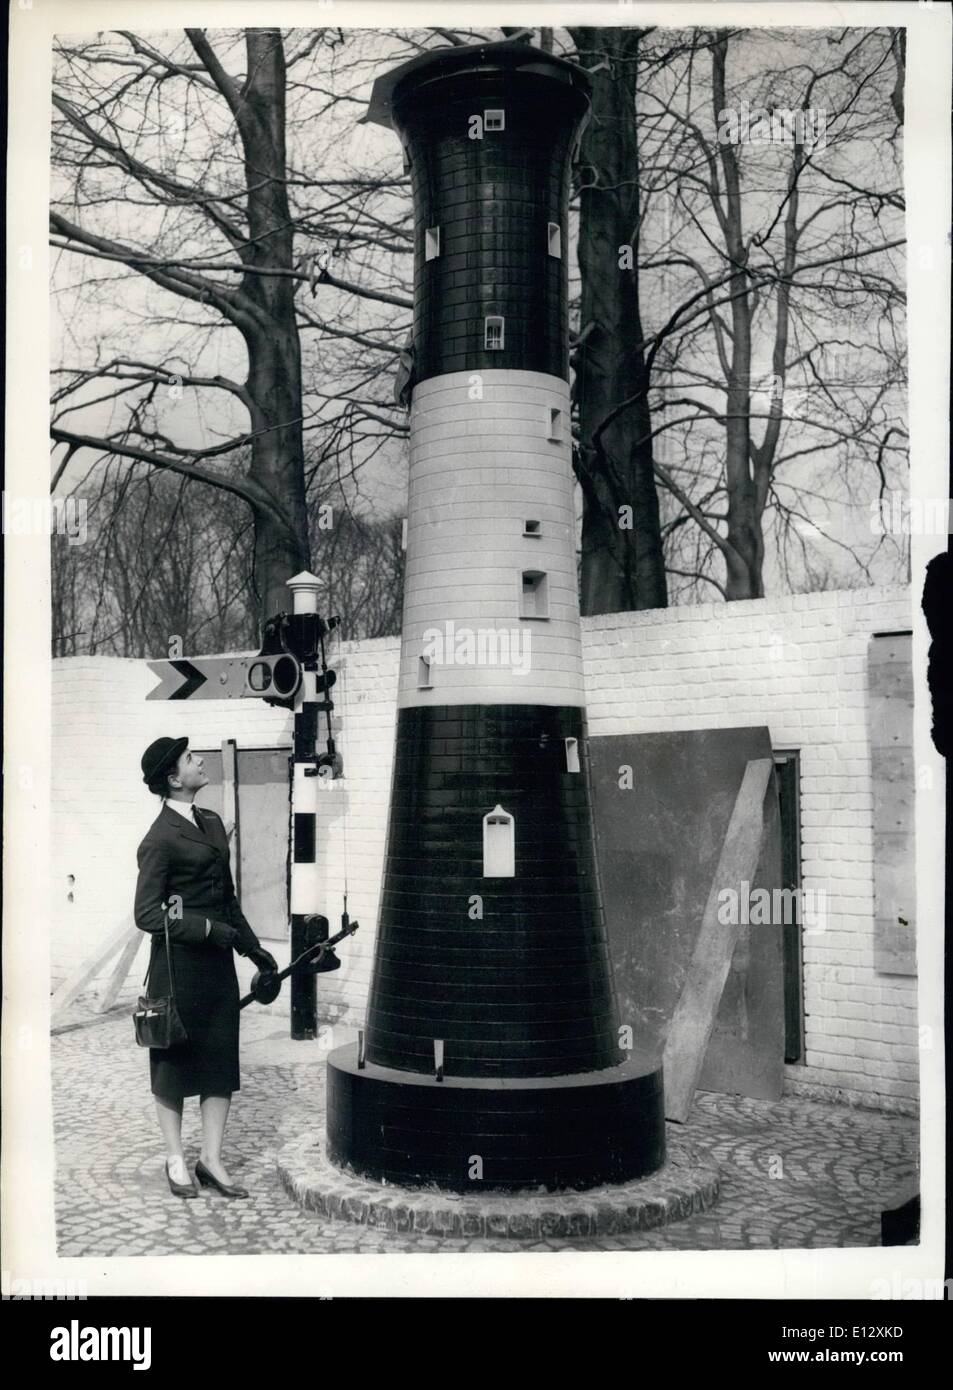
[
  {"x": 264, "y": 796},
  {"x": 261, "y": 800},
  {"x": 74, "y": 984},
  {"x": 890, "y": 719},
  {"x": 694, "y": 1017},
  {"x": 122, "y": 967},
  {"x": 230, "y": 810}
]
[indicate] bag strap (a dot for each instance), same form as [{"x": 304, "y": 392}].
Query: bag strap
[{"x": 168, "y": 957}]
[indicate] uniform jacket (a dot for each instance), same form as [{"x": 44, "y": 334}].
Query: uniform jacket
[{"x": 187, "y": 874}]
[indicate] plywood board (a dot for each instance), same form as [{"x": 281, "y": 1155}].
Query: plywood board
[
  {"x": 659, "y": 842},
  {"x": 261, "y": 790}
]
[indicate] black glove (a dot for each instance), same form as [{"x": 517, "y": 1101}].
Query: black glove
[
  {"x": 264, "y": 960},
  {"x": 223, "y": 935}
]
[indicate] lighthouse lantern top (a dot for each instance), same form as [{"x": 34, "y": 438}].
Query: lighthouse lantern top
[{"x": 506, "y": 54}]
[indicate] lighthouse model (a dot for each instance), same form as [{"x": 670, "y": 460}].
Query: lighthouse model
[{"x": 494, "y": 1056}]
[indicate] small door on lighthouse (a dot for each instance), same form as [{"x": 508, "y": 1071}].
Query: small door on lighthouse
[{"x": 499, "y": 844}]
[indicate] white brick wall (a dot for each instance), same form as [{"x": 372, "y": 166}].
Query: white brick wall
[{"x": 797, "y": 664}]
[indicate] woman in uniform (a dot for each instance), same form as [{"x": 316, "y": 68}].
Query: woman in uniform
[{"x": 185, "y": 878}]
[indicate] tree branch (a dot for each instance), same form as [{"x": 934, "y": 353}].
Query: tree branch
[{"x": 256, "y": 497}]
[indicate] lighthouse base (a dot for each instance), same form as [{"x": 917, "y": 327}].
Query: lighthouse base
[{"x": 467, "y": 1134}]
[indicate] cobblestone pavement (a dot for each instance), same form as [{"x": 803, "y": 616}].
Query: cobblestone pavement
[{"x": 794, "y": 1174}]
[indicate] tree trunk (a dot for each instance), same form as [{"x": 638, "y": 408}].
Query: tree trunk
[
  {"x": 744, "y": 557},
  {"x": 274, "y": 350},
  {"x": 622, "y": 561}
]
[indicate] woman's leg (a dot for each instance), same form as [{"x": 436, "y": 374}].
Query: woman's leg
[
  {"x": 214, "y": 1116},
  {"x": 169, "y": 1113}
]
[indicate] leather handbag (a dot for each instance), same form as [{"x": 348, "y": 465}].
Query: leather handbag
[{"x": 157, "y": 1020}]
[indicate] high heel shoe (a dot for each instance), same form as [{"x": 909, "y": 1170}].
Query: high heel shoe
[
  {"x": 180, "y": 1189},
  {"x": 207, "y": 1179}
]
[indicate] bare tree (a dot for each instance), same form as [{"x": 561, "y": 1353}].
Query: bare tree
[
  {"x": 783, "y": 336},
  {"x": 217, "y": 203},
  {"x": 364, "y": 575},
  {"x": 173, "y": 169},
  {"x": 193, "y": 582},
  {"x": 622, "y": 561}
]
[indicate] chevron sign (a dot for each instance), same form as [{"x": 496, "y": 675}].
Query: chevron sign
[{"x": 203, "y": 678}]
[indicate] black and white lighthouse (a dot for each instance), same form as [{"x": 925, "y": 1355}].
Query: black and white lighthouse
[{"x": 494, "y": 1056}]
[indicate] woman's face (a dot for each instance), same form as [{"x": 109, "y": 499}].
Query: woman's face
[{"x": 189, "y": 775}]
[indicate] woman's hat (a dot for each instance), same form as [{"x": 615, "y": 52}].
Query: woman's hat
[{"x": 161, "y": 756}]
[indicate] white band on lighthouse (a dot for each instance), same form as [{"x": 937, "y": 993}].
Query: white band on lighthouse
[{"x": 490, "y": 591}]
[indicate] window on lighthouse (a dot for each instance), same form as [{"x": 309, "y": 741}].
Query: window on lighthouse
[
  {"x": 499, "y": 844},
  {"x": 493, "y": 333},
  {"x": 534, "y": 594},
  {"x": 494, "y": 120},
  {"x": 554, "y": 424},
  {"x": 424, "y": 679},
  {"x": 555, "y": 240},
  {"x": 431, "y": 243}
]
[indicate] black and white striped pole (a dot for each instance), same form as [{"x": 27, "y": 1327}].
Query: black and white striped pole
[{"x": 308, "y": 927}]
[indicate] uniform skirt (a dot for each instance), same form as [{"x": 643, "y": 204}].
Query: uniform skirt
[{"x": 206, "y": 993}]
